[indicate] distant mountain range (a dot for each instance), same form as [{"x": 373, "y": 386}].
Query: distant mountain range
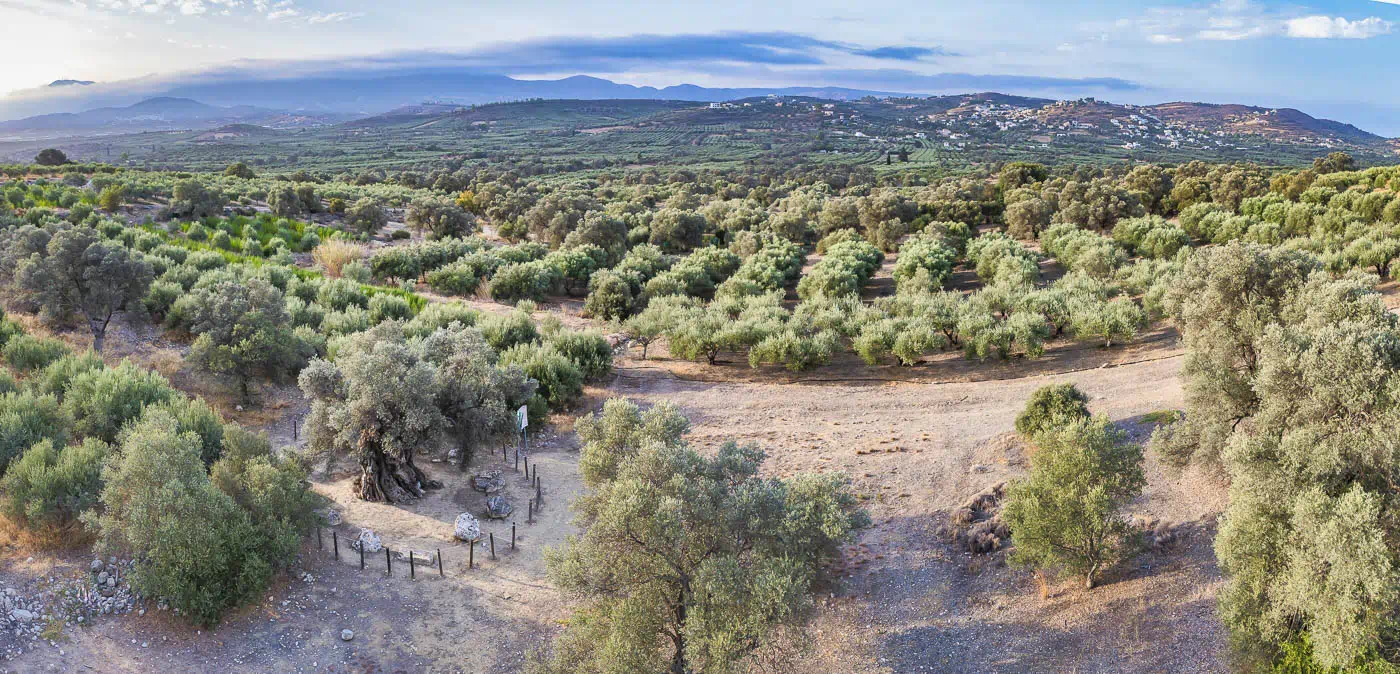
[
  {"x": 327, "y": 99},
  {"x": 163, "y": 113},
  {"x": 368, "y": 92}
]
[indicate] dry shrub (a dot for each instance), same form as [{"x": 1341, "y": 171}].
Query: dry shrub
[
  {"x": 334, "y": 254},
  {"x": 167, "y": 362},
  {"x": 1042, "y": 586},
  {"x": 977, "y": 525},
  {"x": 69, "y": 536}
]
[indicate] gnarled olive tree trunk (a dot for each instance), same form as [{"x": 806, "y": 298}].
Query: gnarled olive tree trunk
[{"x": 388, "y": 479}]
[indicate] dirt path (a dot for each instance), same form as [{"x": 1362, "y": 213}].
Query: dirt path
[{"x": 910, "y": 602}]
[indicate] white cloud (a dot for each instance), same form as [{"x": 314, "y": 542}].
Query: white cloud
[
  {"x": 1327, "y": 27},
  {"x": 1230, "y": 20},
  {"x": 280, "y": 14},
  {"x": 337, "y": 17}
]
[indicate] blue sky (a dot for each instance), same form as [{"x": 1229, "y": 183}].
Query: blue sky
[{"x": 1331, "y": 58}]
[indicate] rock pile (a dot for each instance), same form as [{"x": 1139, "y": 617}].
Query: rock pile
[{"x": 64, "y": 601}]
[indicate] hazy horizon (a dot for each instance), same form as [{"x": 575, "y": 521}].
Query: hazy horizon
[{"x": 1236, "y": 51}]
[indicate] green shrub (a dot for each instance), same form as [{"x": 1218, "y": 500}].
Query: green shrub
[
  {"x": 529, "y": 280},
  {"x": 502, "y": 331},
  {"x": 440, "y": 315},
  {"x": 1052, "y": 407},
  {"x": 102, "y": 401},
  {"x": 193, "y": 544},
  {"x": 161, "y": 297},
  {"x": 610, "y": 297},
  {"x": 588, "y": 350},
  {"x": 195, "y": 416},
  {"x": 9, "y": 330},
  {"x": 49, "y": 487},
  {"x": 385, "y": 307},
  {"x": 559, "y": 379},
  {"x": 340, "y": 294},
  {"x": 27, "y": 352},
  {"x": 844, "y": 270},
  {"x": 54, "y": 379},
  {"x": 27, "y": 418},
  {"x": 1065, "y": 514},
  {"x": 353, "y": 319},
  {"x": 934, "y": 258},
  {"x": 795, "y": 351},
  {"x": 454, "y": 279},
  {"x": 205, "y": 260}
]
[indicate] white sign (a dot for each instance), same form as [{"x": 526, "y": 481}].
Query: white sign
[{"x": 522, "y": 417}]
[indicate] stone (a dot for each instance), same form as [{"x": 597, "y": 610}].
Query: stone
[
  {"x": 22, "y": 615},
  {"x": 96, "y": 565},
  {"x": 488, "y": 481},
  {"x": 497, "y": 508},
  {"x": 368, "y": 541},
  {"x": 332, "y": 517},
  {"x": 102, "y": 578},
  {"x": 466, "y": 528},
  {"x": 419, "y": 557},
  {"x": 111, "y": 582},
  {"x": 346, "y": 635}
]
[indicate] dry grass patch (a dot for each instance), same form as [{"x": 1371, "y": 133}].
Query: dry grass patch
[
  {"x": 67, "y": 537},
  {"x": 333, "y": 255}
]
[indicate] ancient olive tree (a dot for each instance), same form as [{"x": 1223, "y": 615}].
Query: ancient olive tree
[
  {"x": 377, "y": 402},
  {"x": 688, "y": 562},
  {"x": 387, "y": 397},
  {"x": 1066, "y": 514},
  {"x": 79, "y": 273}
]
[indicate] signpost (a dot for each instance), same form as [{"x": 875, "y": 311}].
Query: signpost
[{"x": 522, "y": 419}]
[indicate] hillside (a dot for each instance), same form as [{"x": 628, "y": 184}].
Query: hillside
[{"x": 564, "y": 135}]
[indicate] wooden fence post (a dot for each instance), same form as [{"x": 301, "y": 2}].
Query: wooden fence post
[
  {"x": 512, "y": 535},
  {"x": 440, "y": 573},
  {"x": 471, "y": 554},
  {"x": 388, "y": 562},
  {"x": 335, "y": 543},
  {"x": 493, "y": 544},
  {"x": 411, "y": 575}
]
